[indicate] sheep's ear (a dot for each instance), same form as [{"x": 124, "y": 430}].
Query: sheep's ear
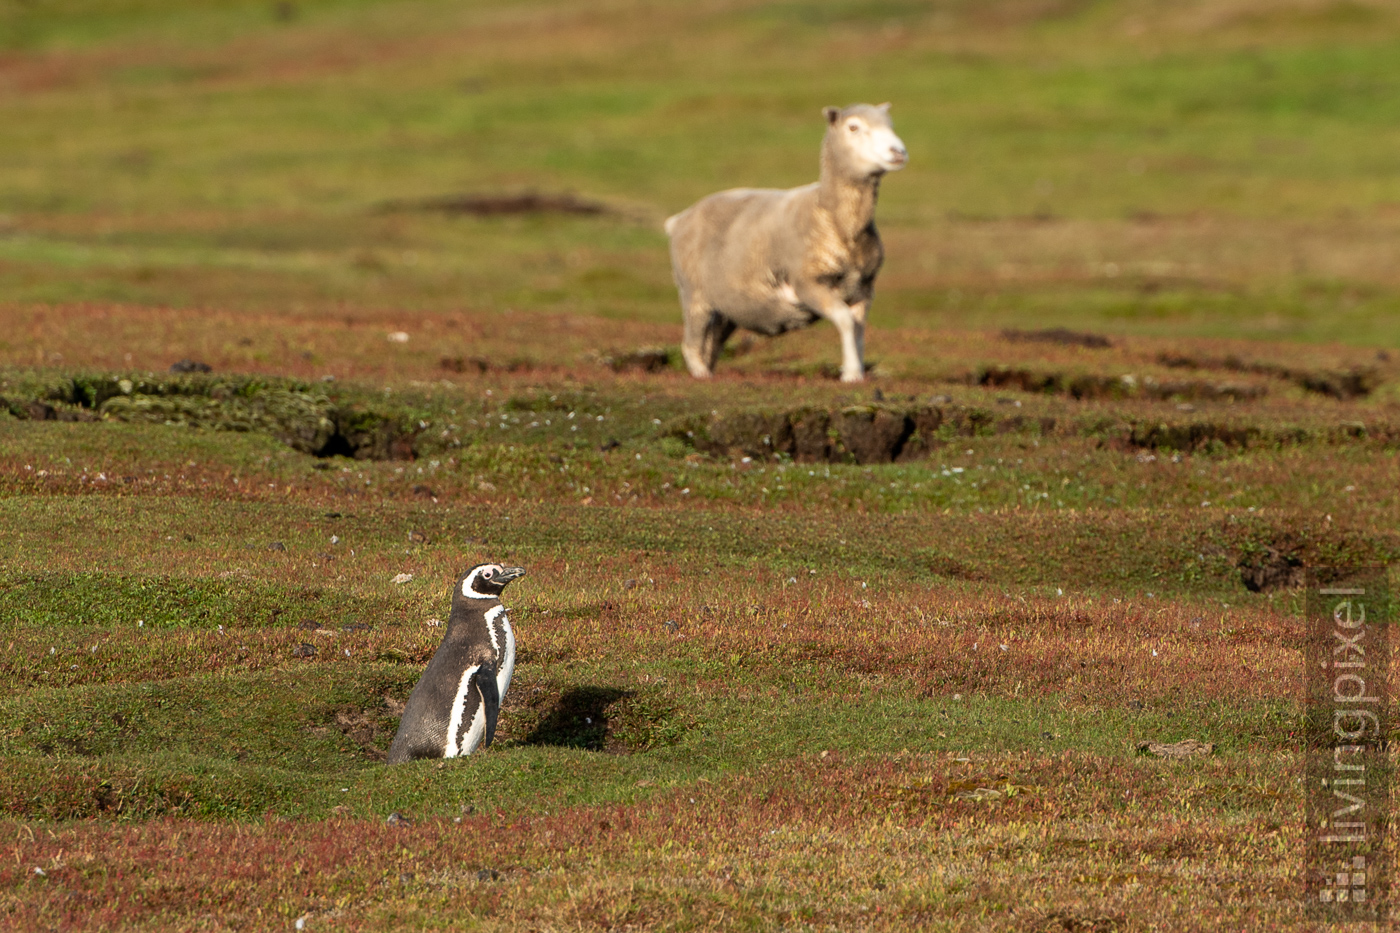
[
  {"x": 832, "y": 114},
  {"x": 885, "y": 107}
]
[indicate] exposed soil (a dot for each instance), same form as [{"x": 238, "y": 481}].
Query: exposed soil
[
  {"x": 488, "y": 205},
  {"x": 372, "y": 728},
  {"x": 1058, "y": 335},
  {"x": 1186, "y": 748},
  {"x": 599, "y": 718},
  {"x": 1071, "y": 921},
  {"x": 1338, "y": 384},
  {"x": 481, "y": 365},
  {"x": 859, "y": 434},
  {"x": 1271, "y": 570},
  {"x": 643, "y": 359},
  {"x": 299, "y": 415},
  {"x": 1102, "y": 386},
  {"x": 884, "y": 432}
]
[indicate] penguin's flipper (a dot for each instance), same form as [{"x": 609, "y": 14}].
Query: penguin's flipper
[{"x": 490, "y": 699}]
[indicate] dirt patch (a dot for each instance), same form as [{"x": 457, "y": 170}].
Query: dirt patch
[
  {"x": 1058, "y": 335},
  {"x": 946, "y": 566},
  {"x": 856, "y": 434},
  {"x": 500, "y": 204},
  {"x": 887, "y": 433},
  {"x": 1279, "y": 556},
  {"x": 607, "y": 719},
  {"x": 1186, "y": 748},
  {"x": 35, "y": 410},
  {"x": 190, "y": 366},
  {"x": 643, "y": 359},
  {"x": 1196, "y": 436},
  {"x": 1339, "y": 384},
  {"x": 299, "y": 415},
  {"x": 1271, "y": 569},
  {"x": 1074, "y": 921},
  {"x": 1100, "y": 386},
  {"x": 480, "y": 365},
  {"x": 1218, "y": 437},
  {"x": 371, "y": 728}
]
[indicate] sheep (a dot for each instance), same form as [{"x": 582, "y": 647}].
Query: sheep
[{"x": 772, "y": 261}]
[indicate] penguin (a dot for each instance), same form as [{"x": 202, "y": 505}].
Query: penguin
[{"x": 453, "y": 709}]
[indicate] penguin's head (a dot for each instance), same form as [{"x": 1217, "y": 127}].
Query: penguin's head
[{"x": 487, "y": 581}]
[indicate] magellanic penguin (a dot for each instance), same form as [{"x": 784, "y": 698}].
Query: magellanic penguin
[{"x": 453, "y": 709}]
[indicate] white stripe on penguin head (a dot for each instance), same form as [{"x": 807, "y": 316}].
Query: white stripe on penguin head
[{"x": 468, "y": 585}]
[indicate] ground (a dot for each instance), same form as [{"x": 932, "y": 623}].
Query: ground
[{"x": 300, "y": 298}]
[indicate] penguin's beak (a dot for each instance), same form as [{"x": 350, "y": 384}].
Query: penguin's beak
[{"x": 508, "y": 574}]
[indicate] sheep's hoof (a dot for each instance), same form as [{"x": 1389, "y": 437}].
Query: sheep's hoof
[{"x": 853, "y": 377}]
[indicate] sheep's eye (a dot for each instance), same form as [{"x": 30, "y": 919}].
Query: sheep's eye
[{"x": 853, "y": 127}]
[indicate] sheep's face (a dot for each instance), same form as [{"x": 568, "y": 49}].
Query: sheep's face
[{"x": 868, "y": 141}]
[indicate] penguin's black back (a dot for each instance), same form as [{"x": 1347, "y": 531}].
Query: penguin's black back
[{"x": 423, "y": 730}]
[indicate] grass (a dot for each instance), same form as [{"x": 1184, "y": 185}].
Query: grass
[
  {"x": 1175, "y": 176},
  {"x": 871, "y": 687}
]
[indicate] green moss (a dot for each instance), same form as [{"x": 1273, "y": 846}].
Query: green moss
[{"x": 99, "y": 598}]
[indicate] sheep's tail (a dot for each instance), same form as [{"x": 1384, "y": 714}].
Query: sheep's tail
[{"x": 671, "y": 223}]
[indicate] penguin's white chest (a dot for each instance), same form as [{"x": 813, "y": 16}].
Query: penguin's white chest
[
  {"x": 463, "y": 738},
  {"x": 503, "y": 641}
]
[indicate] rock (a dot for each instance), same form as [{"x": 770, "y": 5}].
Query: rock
[
  {"x": 398, "y": 819},
  {"x": 277, "y": 546},
  {"x": 488, "y": 874},
  {"x": 304, "y": 650},
  {"x": 417, "y": 537},
  {"x": 401, "y": 579}
]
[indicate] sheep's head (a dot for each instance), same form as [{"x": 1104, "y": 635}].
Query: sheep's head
[{"x": 863, "y": 138}]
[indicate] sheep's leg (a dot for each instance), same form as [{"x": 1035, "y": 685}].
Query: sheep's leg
[
  {"x": 720, "y": 330},
  {"x": 699, "y": 321},
  {"x": 858, "y": 338},
  {"x": 850, "y": 324},
  {"x": 849, "y": 321}
]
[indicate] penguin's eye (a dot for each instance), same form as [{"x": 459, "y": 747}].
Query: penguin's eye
[{"x": 488, "y": 572}]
